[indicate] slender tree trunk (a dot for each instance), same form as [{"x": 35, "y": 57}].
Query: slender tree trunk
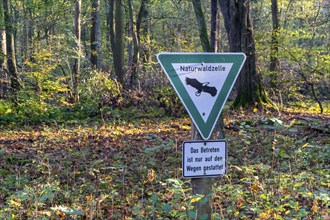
[
  {"x": 131, "y": 28},
  {"x": 142, "y": 29},
  {"x": 202, "y": 28},
  {"x": 30, "y": 34},
  {"x": 213, "y": 33},
  {"x": 76, "y": 62},
  {"x": 134, "y": 65},
  {"x": 119, "y": 29},
  {"x": 10, "y": 44},
  {"x": 95, "y": 34},
  {"x": 111, "y": 29},
  {"x": 107, "y": 32},
  {"x": 24, "y": 40},
  {"x": 3, "y": 61},
  {"x": 274, "y": 45},
  {"x": 116, "y": 33}
]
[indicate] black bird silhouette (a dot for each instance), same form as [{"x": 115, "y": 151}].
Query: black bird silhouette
[{"x": 201, "y": 87}]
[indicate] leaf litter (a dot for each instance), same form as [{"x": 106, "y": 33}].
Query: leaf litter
[{"x": 278, "y": 168}]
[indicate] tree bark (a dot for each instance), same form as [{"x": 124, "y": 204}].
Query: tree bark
[
  {"x": 76, "y": 62},
  {"x": 202, "y": 28},
  {"x": 136, "y": 46},
  {"x": 142, "y": 29},
  {"x": 110, "y": 23},
  {"x": 213, "y": 32},
  {"x": 10, "y": 45},
  {"x": 95, "y": 34},
  {"x": 131, "y": 32},
  {"x": 273, "y": 66},
  {"x": 238, "y": 25},
  {"x": 117, "y": 37},
  {"x": 119, "y": 28},
  {"x": 3, "y": 62}
]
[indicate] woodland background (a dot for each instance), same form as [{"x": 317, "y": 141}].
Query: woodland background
[
  {"x": 87, "y": 115},
  {"x": 62, "y": 57}
]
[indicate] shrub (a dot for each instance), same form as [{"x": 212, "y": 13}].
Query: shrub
[
  {"x": 98, "y": 90},
  {"x": 168, "y": 100}
]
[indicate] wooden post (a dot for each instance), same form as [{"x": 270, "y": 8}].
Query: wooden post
[{"x": 203, "y": 186}]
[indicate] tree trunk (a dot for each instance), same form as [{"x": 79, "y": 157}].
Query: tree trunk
[
  {"x": 11, "y": 60},
  {"x": 213, "y": 33},
  {"x": 95, "y": 34},
  {"x": 240, "y": 33},
  {"x": 136, "y": 46},
  {"x": 3, "y": 62},
  {"x": 117, "y": 37},
  {"x": 274, "y": 45},
  {"x": 110, "y": 20},
  {"x": 130, "y": 34},
  {"x": 202, "y": 29},
  {"x": 119, "y": 28},
  {"x": 107, "y": 32},
  {"x": 76, "y": 62},
  {"x": 142, "y": 29},
  {"x": 25, "y": 38}
]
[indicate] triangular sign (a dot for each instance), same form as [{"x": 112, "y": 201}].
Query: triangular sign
[{"x": 203, "y": 82}]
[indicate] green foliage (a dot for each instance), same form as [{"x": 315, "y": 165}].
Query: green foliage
[
  {"x": 98, "y": 94},
  {"x": 303, "y": 51},
  {"x": 174, "y": 202},
  {"x": 176, "y": 34},
  {"x": 45, "y": 62},
  {"x": 98, "y": 91},
  {"x": 30, "y": 106},
  {"x": 287, "y": 181},
  {"x": 5, "y": 107},
  {"x": 168, "y": 100},
  {"x": 40, "y": 99}
]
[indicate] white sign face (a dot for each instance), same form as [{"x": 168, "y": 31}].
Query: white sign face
[
  {"x": 203, "y": 82},
  {"x": 204, "y": 158}
]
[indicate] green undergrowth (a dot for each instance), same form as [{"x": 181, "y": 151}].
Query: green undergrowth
[{"x": 278, "y": 169}]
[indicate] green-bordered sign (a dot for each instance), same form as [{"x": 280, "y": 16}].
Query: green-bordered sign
[{"x": 203, "y": 82}]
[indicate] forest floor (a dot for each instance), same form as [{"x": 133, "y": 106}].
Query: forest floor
[{"x": 279, "y": 168}]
